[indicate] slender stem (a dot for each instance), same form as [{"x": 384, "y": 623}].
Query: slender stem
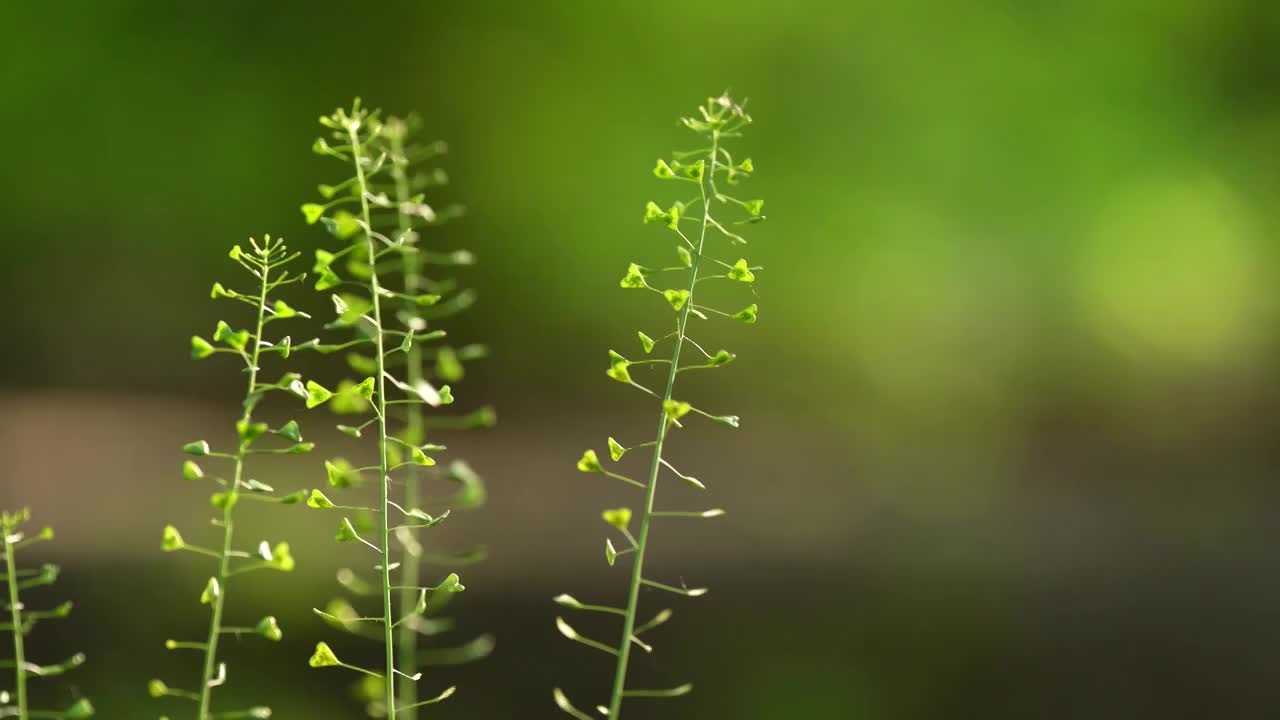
[
  {"x": 15, "y": 612},
  {"x": 410, "y": 567},
  {"x": 375, "y": 291},
  {"x": 646, "y": 514},
  {"x": 228, "y": 524}
]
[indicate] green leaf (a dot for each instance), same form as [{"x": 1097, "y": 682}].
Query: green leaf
[
  {"x": 363, "y": 364},
  {"x": 720, "y": 358},
  {"x": 293, "y": 498},
  {"x": 290, "y": 431},
  {"x": 634, "y": 277},
  {"x": 618, "y": 517},
  {"x": 199, "y": 447},
  {"x": 172, "y": 539},
  {"x": 250, "y": 431},
  {"x": 342, "y": 224},
  {"x": 268, "y": 628},
  {"x": 590, "y": 463},
  {"x": 619, "y": 372},
  {"x": 323, "y": 657},
  {"x": 448, "y": 367},
  {"x": 317, "y": 394},
  {"x": 312, "y": 212},
  {"x": 281, "y": 558},
  {"x": 284, "y": 311},
  {"x": 741, "y": 272},
  {"x": 200, "y": 348},
  {"x": 676, "y": 409},
  {"x": 80, "y": 710},
  {"x": 646, "y": 342},
  {"x": 346, "y": 532},
  {"x": 747, "y": 314},
  {"x": 236, "y": 339},
  {"x": 677, "y": 298},
  {"x": 211, "y": 592},
  {"x": 654, "y": 214},
  {"x": 616, "y": 451},
  {"x": 191, "y": 471},
  {"x": 450, "y": 584},
  {"x": 686, "y": 258},
  {"x": 319, "y": 501},
  {"x": 420, "y": 458},
  {"x": 224, "y": 500},
  {"x": 350, "y": 398},
  {"x": 674, "y": 214},
  {"x": 342, "y": 474},
  {"x": 663, "y": 170},
  {"x": 327, "y": 279}
]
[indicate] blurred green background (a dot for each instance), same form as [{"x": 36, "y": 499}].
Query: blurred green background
[{"x": 1009, "y": 412}]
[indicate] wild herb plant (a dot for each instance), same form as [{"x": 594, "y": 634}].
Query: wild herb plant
[
  {"x": 708, "y": 166},
  {"x": 389, "y": 307},
  {"x": 22, "y": 621},
  {"x": 266, "y": 263}
]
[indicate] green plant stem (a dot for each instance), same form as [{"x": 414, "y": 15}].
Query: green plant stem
[
  {"x": 15, "y": 612},
  {"x": 381, "y": 409},
  {"x": 412, "y": 572},
  {"x": 228, "y": 524},
  {"x": 646, "y": 514}
]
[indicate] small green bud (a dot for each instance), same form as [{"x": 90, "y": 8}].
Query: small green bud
[
  {"x": 317, "y": 394},
  {"x": 323, "y": 657},
  {"x": 191, "y": 471},
  {"x": 157, "y": 689},
  {"x": 211, "y": 592},
  {"x": 634, "y": 277},
  {"x": 270, "y": 629},
  {"x": 346, "y": 532},
  {"x": 619, "y": 517},
  {"x": 677, "y": 298},
  {"x": 686, "y": 258},
  {"x": 747, "y": 314},
  {"x": 313, "y": 211},
  {"x": 741, "y": 272},
  {"x": 172, "y": 539},
  {"x": 676, "y": 409},
  {"x": 590, "y": 463},
  {"x": 200, "y": 348}
]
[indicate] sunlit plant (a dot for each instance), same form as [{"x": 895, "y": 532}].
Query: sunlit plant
[
  {"x": 266, "y": 262},
  {"x": 20, "y": 621},
  {"x": 382, "y": 294},
  {"x": 708, "y": 215}
]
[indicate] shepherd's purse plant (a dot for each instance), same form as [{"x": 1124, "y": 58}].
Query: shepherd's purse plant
[
  {"x": 382, "y": 294},
  {"x": 266, "y": 262},
  {"x": 710, "y": 168},
  {"x": 19, "y": 621}
]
